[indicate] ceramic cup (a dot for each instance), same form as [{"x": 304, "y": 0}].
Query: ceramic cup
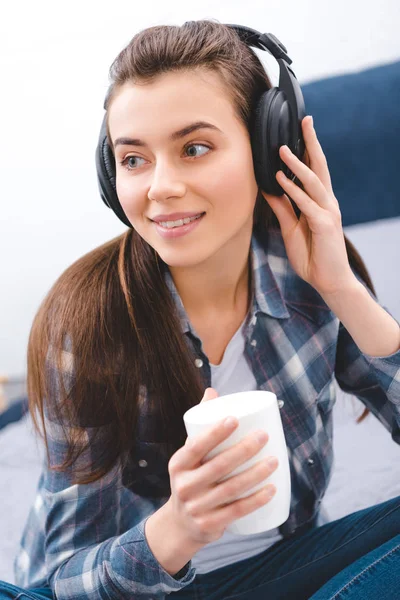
[{"x": 254, "y": 410}]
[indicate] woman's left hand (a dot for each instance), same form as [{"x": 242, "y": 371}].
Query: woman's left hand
[{"x": 315, "y": 242}]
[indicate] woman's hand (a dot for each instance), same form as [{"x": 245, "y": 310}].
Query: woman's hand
[
  {"x": 314, "y": 243},
  {"x": 200, "y": 503}
]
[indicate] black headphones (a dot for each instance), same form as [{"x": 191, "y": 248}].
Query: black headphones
[{"x": 276, "y": 121}]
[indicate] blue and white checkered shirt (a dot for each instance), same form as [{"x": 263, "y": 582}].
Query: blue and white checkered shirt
[{"x": 88, "y": 541}]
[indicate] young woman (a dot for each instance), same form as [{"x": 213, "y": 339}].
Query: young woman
[{"x": 216, "y": 287}]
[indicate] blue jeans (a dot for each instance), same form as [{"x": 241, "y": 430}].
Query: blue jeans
[
  {"x": 356, "y": 557},
  {"x": 353, "y": 558},
  {"x": 12, "y": 592}
]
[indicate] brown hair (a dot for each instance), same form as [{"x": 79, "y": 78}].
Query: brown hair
[{"x": 110, "y": 313}]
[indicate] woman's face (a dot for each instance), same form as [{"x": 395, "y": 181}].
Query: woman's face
[{"x": 164, "y": 172}]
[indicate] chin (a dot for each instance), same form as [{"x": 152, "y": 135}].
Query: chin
[{"x": 181, "y": 258}]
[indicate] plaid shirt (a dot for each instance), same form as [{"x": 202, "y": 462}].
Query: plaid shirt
[{"x": 88, "y": 541}]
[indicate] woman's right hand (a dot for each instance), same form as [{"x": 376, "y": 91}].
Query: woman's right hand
[{"x": 200, "y": 504}]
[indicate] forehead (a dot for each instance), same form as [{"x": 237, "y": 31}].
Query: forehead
[{"x": 170, "y": 100}]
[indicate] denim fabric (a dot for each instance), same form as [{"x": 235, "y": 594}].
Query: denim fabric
[
  {"x": 12, "y": 592},
  {"x": 358, "y": 555},
  {"x": 375, "y": 576}
]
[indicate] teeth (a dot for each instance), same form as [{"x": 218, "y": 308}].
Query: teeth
[{"x": 178, "y": 223}]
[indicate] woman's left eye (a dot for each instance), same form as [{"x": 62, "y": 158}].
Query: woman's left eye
[
  {"x": 191, "y": 149},
  {"x": 195, "y": 154}
]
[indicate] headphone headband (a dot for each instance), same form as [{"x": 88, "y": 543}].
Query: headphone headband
[{"x": 262, "y": 41}]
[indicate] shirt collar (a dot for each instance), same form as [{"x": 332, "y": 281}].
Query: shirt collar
[
  {"x": 184, "y": 319},
  {"x": 268, "y": 266}
]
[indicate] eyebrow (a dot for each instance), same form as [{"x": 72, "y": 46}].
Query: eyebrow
[{"x": 127, "y": 141}]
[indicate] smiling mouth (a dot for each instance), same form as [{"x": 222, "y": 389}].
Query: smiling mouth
[{"x": 179, "y": 222}]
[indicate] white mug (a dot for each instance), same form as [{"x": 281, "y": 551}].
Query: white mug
[{"x": 254, "y": 410}]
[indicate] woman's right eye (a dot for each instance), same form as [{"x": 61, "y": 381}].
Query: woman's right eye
[{"x": 130, "y": 167}]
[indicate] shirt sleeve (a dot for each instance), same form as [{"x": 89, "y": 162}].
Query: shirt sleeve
[
  {"x": 95, "y": 544},
  {"x": 373, "y": 380}
]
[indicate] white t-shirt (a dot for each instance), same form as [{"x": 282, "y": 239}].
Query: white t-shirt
[{"x": 233, "y": 375}]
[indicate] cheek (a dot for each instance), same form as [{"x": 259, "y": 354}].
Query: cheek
[
  {"x": 131, "y": 201},
  {"x": 236, "y": 180}
]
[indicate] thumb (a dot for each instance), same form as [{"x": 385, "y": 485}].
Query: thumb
[
  {"x": 209, "y": 394},
  {"x": 283, "y": 210}
]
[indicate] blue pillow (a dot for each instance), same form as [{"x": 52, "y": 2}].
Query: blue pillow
[
  {"x": 14, "y": 412},
  {"x": 357, "y": 119}
]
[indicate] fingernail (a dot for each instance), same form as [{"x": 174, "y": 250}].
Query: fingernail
[
  {"x": 267, "y": 492},
  {"x": 311, "y": 121},
  {"x": 270, "y": 490},
  {"x": 230, "y": 422},
  {"x": 261, "y": 436},
  {"x": 272, "y": 461}
]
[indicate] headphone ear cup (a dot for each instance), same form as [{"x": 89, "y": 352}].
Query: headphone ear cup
[
  {"x": 106, "y": 175},
  {"x": 270, "y": 130}
]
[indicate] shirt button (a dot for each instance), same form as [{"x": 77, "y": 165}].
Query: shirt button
[
  {"x": 254, "y": 320},
  {"x": 142, "y": 463},
  {"x": 253, "y": 343},
  {"x": 198, "y": 362},
  {"x": 310, "y": 461},
  {"x": 280, "y": 403}
]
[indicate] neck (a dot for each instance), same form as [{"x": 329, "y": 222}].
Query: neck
[{"x": 219, "y": 284}]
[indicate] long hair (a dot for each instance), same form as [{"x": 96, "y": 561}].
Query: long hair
[{"x": 108, "y": 326}]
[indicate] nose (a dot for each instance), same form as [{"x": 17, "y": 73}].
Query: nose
[{"x": 166, "y": 182}]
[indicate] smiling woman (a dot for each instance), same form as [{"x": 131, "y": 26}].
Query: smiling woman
[
  {"x": 217, "y": 181},
  {"x": 213, "y": 284}
]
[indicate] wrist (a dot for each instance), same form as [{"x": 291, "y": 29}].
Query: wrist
[
  {"x": 168, "y": 541},
  {"x": 352, "y": 288}
]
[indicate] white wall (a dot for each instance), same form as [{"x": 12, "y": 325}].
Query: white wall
[{"x": 54, "y": 60}]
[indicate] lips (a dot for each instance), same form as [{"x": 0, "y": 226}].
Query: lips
[
  {"x": 171, "y": 231},
  {"x": 175, "y": 216}
]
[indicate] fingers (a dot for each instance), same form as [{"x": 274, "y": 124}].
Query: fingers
[
  {"x": 316, "y": 158},
  {"x": 209, "y": 394},
  {"x": 284, "y": 212},
  {"x": 198, "y": 481},
  {"x": 312, "y": 184},
  {"x": 224, "y": 463},
  {"x": 226, "y": 514},
  {"x": 196, "y": 448},
  {"x": 230, "y": 490},
  {"x": 305, "y": 203}
]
